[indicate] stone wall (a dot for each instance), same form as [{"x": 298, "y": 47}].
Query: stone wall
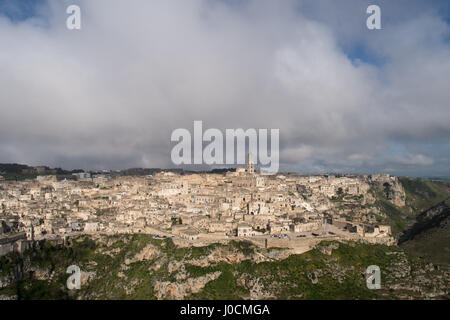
[{"x": 17, "y": 246}]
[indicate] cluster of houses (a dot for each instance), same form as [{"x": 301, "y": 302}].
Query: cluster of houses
[{"x": 239, "y": 203}]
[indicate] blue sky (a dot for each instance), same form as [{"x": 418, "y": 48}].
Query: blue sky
[{"x": 20, "y": 10}]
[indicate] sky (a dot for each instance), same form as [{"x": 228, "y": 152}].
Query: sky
[{"x": 345, "y": 99}]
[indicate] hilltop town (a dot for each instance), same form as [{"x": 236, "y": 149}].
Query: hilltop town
[
  {"x": 284, "y": 210},
  {"x": 226, "y": 234}
]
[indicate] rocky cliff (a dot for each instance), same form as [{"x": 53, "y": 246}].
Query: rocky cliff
[{"x": 139, "y": 267}]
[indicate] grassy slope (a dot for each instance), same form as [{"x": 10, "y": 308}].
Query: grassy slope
[
  {"x": 423, "y": 194},
  {"x": 420, "y": 195},
  {"x": 432, "y": 244}
]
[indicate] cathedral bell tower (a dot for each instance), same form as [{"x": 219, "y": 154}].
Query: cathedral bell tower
[{"x": 250, "y": 164}]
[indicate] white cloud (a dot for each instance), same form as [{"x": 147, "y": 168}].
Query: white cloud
[{"x": 111, "y": 94}]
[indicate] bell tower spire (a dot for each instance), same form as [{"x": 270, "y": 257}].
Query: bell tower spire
[{"x": 250, "y": 164}]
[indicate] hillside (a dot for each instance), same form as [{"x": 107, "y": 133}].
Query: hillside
[
  {"x": 423, "y": 194},
  {"x": 429, "y": 237},
  {"x": 139, "y": 267},
  {"x": 420, "y": 195}
]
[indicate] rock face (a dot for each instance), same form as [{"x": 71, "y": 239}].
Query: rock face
[
  {"x": 429, "y": 237},
  {"x": 86, "y": 277},
  {"x": 218, "y": 255},
  {"x": 391, "y": 188},
  {"x": 148, "y": 253},
  {"x": 6, "y": 280},
  {"x": 40, "y": 274},
  {"x": 178, "y": 291},
  {"x": 232, "y": 257},
  {"x": 236, "y": 270},
  {"x": 328, "y": 249},
  {"x": 15, "y": 273},
  {"x": 424, "y": 282},
  {"x": 255, "y": 287},
  {"x": 429, "y": 219}
]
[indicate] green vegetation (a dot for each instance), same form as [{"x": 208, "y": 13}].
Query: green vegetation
[
  {"x": 420, "y": 195},
  {"x": 246, "y": 247},
  {"x": 397, "y": 218},
  {"x": 423, "y": 194},
  {"x": 312, "y": 275},
  {"x": 432, "y": 245},
  {"x": 18, "y": 176},
  {"x": 223, "y": 288},
  {"x": 8, "y": 263}
]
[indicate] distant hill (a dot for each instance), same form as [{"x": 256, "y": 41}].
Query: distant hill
[
  {"x": 429, "y": 237},
  {"x": 15, "y": 171},
  {"x": 13, "y": 167},
  {"x": 422, "y": 194}
]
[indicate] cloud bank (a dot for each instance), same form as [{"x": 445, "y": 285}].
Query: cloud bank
[{"x": 345, "y": 99}]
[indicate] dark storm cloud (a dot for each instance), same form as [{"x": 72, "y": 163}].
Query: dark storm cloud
[{"x": 344, "y": 98}]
